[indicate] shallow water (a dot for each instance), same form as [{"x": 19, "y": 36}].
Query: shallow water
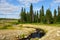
[{"x": 37, "y": 34}]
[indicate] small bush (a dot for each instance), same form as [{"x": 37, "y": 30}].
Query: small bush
[{"x": 22, "y": 36}]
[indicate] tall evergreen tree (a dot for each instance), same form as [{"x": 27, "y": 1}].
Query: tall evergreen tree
[
  {"x": 31, "y": 13},
  {"x": 58, "y": 17},
  {"x": 58, "y": 11},
  {"x": 42, "y": 14},
  {"x": 37, "y": 16},
  {"x": 25, "y": 19},
  {"x": 48, "y": 16},
  {"x": 55, "y": 16},
  {"x": 23, "y": 15},
  {"x": 28, "y": 17}
]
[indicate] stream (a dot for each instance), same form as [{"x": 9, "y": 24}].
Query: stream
[{"x": 37, "y": 34}]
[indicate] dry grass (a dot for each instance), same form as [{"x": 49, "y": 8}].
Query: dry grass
[
  {"x": 51, "y": 31},
  {"x": 12, "y": 33}
]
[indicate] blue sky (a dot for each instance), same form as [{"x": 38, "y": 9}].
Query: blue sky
[{"x": 12, "y": 8}]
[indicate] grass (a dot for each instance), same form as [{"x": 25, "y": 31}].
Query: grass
[
  {"x": 56, "y": 25},
  {"x": 20, "y": 26},
  {"x": 22, "y": 36},
  {"x": 53, "y": 25},
  {"x": 8, "y": 25}
]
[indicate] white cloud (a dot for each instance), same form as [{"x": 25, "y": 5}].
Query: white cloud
[
  {"x": 5, "y": 7},
  {"x": 55, "y": 2},
  {"x": 26, "y": 3},
  {"x": 29, "y": 1}
]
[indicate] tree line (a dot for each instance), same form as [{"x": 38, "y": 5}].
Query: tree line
[{"x": 39, "y": 16}]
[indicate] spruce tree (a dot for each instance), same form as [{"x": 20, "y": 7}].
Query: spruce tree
[
  {"x": 31, "y": 13},
  {"x": 28, "y": 17},
  {"x": 24, "y": 15},
  {"x": 55, "y": 16},
  {"x": 48, "y": 16},
  {"x": 58, "y": 11},
  {"x": 42, "y": 15},
  {"x": 21, "y": 14},
  {"x": 37, "y": 16},
  {"x": 58, "y": 17}
]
